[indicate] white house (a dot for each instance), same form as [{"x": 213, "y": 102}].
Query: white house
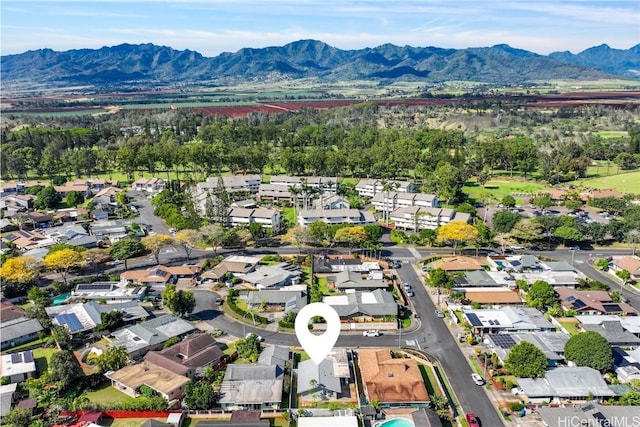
[
  {"x": 149, "y": 185},
  {"x": 371, "y": 187},
  {"x": 417, "y": 218},
  {"x": 268, "y": 218},
  {"x": 388, "y": 202},
  {"x": 336, "y": 216}
]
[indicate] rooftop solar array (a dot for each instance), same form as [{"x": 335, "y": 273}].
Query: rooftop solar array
[
  {"x": 612, "y": 308},
  {"x": 473, "y": 319},
  {"x": 95, "y": 287},
  {"x": 28, "y": 356},
  {"x": 503, "y": 341},
  {"x": 24, "y": 234},
  {"x": 16, "y": 358},
  {"x": 71, "y": 320},
  {"x": 578, "y": 304}
]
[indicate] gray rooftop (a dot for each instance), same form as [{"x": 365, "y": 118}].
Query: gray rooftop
[
  {"x": 322, "y": 374},
  {"x": 614, "y": 333},
  {"x": 274, "y": 355},
  {"x": 589, "y": 414},
  {"x": 151, "y": 332},
  {"x": 567, "y": 383},
  {"x": 16, "y": 328},
  {"x": 251, "y": 385},
  {"x": 480, "y": 278},
  {"x": 375, "y": 303}
]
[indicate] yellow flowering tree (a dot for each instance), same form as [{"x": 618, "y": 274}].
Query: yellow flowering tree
[{"x": 456, "y": 232}]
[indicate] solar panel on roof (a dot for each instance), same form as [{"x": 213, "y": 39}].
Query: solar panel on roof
[
  {"x": 578, "y": 304},
  {"x": 496, "y": 322},
  {"x": 16, "y": 358},
  {"x": 473, "y": 319},
  {"x": 71, "y": 320},
  {"x": 24, "y": 234},
  {"x": 611, "y": 308},
  {"x": 28, "y": 356},
  {"x": 571, "y": 298},
  {"x": 503, "y": 341},
  {"x": 94, "y": 287}
]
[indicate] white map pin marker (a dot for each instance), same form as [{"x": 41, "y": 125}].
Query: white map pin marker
[{"x": 317, "y": 346}]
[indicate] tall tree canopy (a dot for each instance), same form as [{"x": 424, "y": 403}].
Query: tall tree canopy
[
  {"x": 525, "y": 360},
  {"x": 589, "y": 349}
]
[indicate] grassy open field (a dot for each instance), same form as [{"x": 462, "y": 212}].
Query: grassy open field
[
  {"x": 496, "y": 189},
  {"x": 625, "y": 182}
]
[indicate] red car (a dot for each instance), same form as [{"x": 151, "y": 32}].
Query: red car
[{"x": 472, "y": 420}]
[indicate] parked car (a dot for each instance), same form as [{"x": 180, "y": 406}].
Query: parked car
[
  {"x": 219, "y": 301},
  {"x": 410, "y": 294},
  {"x": 574, "y": 248},
  {"x": 395, "y": 264},
  {"x": 371, "y": 333},
  {"x": 407, "y": 286},
  {"x": 477, "y": 379},
  {"x": 260, "y": 339},
  {"x": 439, "y": 314},
  {"x": 472, "y": 420},
  {"x": 117, "y": 262},
  {"x": 517, "y": 391}
]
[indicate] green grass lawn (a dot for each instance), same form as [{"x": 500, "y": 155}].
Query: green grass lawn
[
  {"x": 430, "y": 381},
  {"x": 496, "y": 189},
  {"x": 476, "y": 366},
  {"x": 323, "y": 284},
  {"x": 571, "y": 327},
  {"x": 628, "y": 182},
  {"x": 108, "y": 394},
  {"x": 42, "y": 356},
  {"x": 288, "y": 215}
]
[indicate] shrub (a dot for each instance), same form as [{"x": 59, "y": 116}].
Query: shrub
[{"x": 516, "y": 406}]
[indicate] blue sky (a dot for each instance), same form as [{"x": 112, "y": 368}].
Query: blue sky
[{"x": 214, "y": 26}]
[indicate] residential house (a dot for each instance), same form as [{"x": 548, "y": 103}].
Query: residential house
[
  {"x": 558, "y": 274},
  {"x": 391, "y": 381},
  {"x": 327, "y": 381},
  {"x": 17, "y": 203},
  {"x": 241, "y": 418},
  {"x": 17, "y": 367},
  {"x": 274, "y": 276},
  {"x": 507, "y": 319},
  {"x": 316, "y": 182},
  {"x": 252, "y": 387},
  {"x": 246, "y": 204},
  {"x": 486, "y": 279},
  {"x": 355, "y": 280},
  {"x": 231, "y": 265},
  {"x": 336, "y": 216},
  {"x": 630, "y": 324},
  {"x": 274, "y": 355},
  {"x": 326, "y": 265},
  {"x": 588, "y": 414},
  {"x": 62, "y": 216},
  {"x": 236, "y": 185},
  {"x": 614, "y": 332},
  {"x": 108, "y": 291},
  {"x": 628, "y": 263},
  {"x": 279, "y": 300},
  {"x": 578, "y": 383},
  {"x": 389, "y": 202},
  {"x": 267, "y": 218},
  {"x": 491, "y": 295},
  {"x": 458, "y": 263},
  {"x": 592, "y": 302},
  {"x": 131, "y": 378},
  {"x": 626, "y": 364},
  {"x": 112, "y": 231},
  {"x": 7, "y": 392},
  {"x": 150, "y": 186},
  {"x": 594, "y": 193},
  {"x": 140, "y": 338},
  {"x": 9, "y": 311},
  {"x": 159, "y": 275},
  {"x": 83, "y": 317},
  {"x": 318, "y": 382},
  {"x": 18, "y": 331},
  {"x": 276, "y": 193},
  {"x": 370, "y": 309},
  {"x": 26, "y": 240},
  {"x": 550, "y": 343},
  {"x": 189, "y": 357},
  {"x": 372, "y": 186},
  {"x": 417, "y": 218},
  {"x": 331, "y": 201}
]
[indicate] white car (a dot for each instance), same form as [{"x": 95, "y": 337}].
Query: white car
[
  {"x": 260, "y": 339},
  {"x": 477, "y": 379},
  {"x": 517, "y": 391},
  {"x": 407, "y": 287},
  {"x": 371, "y": 333}
]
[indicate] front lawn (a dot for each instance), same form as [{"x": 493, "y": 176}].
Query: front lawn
[
  {"x": 496, "y": 189},
  {"x": 42, "y": 356},
  {"x": 107, "y": 394}
]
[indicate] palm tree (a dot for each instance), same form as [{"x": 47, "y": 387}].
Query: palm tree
[
  {"x": 295, "y": 191},
  {"x": 19, "y": 221}
]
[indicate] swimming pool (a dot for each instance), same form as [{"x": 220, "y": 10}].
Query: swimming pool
[
  {"x": 61, "y": 299},
  {"x": 397, "y": 422},
  {"x": 500, "y": 264}
]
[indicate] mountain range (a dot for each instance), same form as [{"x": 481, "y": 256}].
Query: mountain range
[{"x": 152, "y": 64}]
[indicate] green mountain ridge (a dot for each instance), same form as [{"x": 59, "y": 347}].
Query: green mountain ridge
[{"x": 149, "y": 64}]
